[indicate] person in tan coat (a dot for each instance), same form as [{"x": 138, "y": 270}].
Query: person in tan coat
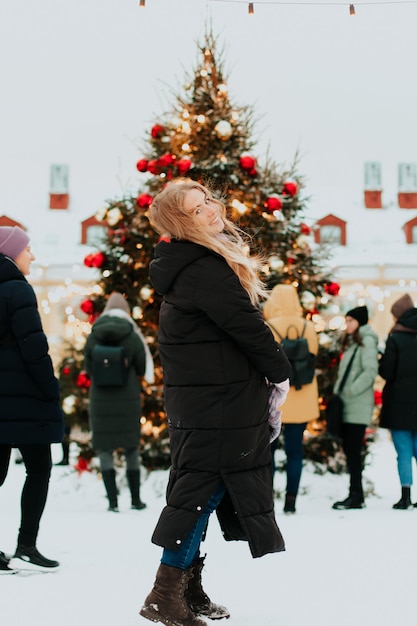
[{"x": 282, "y": 310}]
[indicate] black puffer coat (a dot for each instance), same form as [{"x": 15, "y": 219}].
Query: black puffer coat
[
  {"x": 30, "y": 410},
  {"x": 216, "y": 352},
  {"x": 115, "y": 412},
  {"x": 398, "y": 366}
]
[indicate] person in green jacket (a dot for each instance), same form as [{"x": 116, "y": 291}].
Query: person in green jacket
[{"x": 359, "y": 345}]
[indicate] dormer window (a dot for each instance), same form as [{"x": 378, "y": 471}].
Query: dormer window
[
  {"x": 58, "y": 190},
  {"x": 407, "y": 186},
  {"x": 410, "y": 230},
  {"x": 330, "y": 230},
  {"x": 92, "y": 232}
]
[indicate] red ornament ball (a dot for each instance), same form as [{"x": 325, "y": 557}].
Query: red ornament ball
[
  {"x": 142, "y": 165},
  {"x": 248, "y": 163},
  {"x": 88, "y": 307},
  {"x": 65, "y": 371},
  {"x": 332, "y": 289},
  {"x": 83, "y": 380},
  {"x": 82, "y": 465},
  {"x": 290, "y": 187},
  {"x": 88, "y": 260},
  {"x": 154, "y": 167},
  {"x": 273, "y": 203},
  {"x": 144, "y": 201},
  {"x": 184, "y": 165},
  {"x": 166, "y": 159},
  {"x": 98, "y": 259},
  {"x": 157, "y": 131},
  {"x": 378, "y": 398}
]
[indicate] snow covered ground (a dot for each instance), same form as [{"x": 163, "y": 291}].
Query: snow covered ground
[{"x": 340, "y": 567}]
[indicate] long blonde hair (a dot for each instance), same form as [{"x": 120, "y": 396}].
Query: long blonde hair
[{"x": 168, "y": 216}]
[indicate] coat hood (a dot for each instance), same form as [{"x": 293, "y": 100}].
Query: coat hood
[
  {"x": 9, "y": 270},
  {"x": 407, "y": 322},
  {"x": 170, "y": 260},
  {"x": 109, "y": 329},
  {"x": 283, "y": 301},
  {"x": 367, "y": 331}
]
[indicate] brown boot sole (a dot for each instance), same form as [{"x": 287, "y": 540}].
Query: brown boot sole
[{"x": 152, "y": 614}]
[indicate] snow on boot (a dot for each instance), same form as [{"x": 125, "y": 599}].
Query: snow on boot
[
  {"x": 29, "y": 558},
  {"x": 4, "y": 564},
  {"x": 198, "y": 600},
  {"x": 405, "y": 501},
  {"x": 166, "y": 602}
]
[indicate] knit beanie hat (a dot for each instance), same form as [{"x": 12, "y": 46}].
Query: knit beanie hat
[
  {"x": 117, "y": 301},
  {"x": 360, "y": 313},
  {"x": 402, "y": 305},
  {"x": 13, "y": 240}
]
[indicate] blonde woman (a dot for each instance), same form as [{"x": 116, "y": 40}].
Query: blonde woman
[{"x": 217, "y": 356}]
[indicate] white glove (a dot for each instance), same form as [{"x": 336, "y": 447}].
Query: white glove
[
  {"x": 277, "y": 396},
  {"x": 282, "y": 391}
]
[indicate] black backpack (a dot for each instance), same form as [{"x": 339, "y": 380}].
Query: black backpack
[
  {"x": 302, "y": 361},
  {"x": 110, "y": 366}
]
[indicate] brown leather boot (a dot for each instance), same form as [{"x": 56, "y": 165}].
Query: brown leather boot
[
  {"x": 198, "y": 600},
  {"x": 166, "y": 602}
]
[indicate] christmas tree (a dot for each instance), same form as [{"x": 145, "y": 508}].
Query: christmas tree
[{"x": 208, "y": 138}]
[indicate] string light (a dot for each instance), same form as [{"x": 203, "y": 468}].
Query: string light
[{"x": 251, "y": 6}]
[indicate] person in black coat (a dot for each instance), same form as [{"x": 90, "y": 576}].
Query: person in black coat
[
  {"x": 115, "y": 411},
  {"x": 398, "y": 366},
  {"x": 219, "y": 361},
  {"x": 30, "y": 414}
]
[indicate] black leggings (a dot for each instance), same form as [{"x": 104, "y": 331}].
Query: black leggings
[
  {"x": 352, "y": 441},
  {"x": 38, "y": 463}
]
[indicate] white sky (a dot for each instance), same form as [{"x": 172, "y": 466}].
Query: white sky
[
  {"x": 340, "y": 567},
  {"x": 83, "y": 81}
]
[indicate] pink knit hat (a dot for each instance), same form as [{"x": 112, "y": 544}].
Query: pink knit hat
[{"x": 13, "y": 240}]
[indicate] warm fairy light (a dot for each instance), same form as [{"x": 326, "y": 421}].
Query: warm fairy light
[
  {"x": 185, "y": 147},
  {"x": 185, "y": 114},
  {"x": 201, "y": 119},
  {"x": 186, "y": 128},
  {"x": 239, "y": 206},
  {"x": 203, "y": 73}
]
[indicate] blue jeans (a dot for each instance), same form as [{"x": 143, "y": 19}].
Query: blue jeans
[
  {"x": 189, "y": 551},
  {"x": 293, "y": 446},
  {"x": 405, "y": 443}
]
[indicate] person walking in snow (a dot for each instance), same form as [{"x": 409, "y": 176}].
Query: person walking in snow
[
  {"x": 30, "y": 413},
  {"x": 360, "y": 351},
  {"x": 398, "y": 366},
  {"x": 219, "y": 359},
  {"x": 115, "y": 411},
  {"x": 283, "y": 312}
]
